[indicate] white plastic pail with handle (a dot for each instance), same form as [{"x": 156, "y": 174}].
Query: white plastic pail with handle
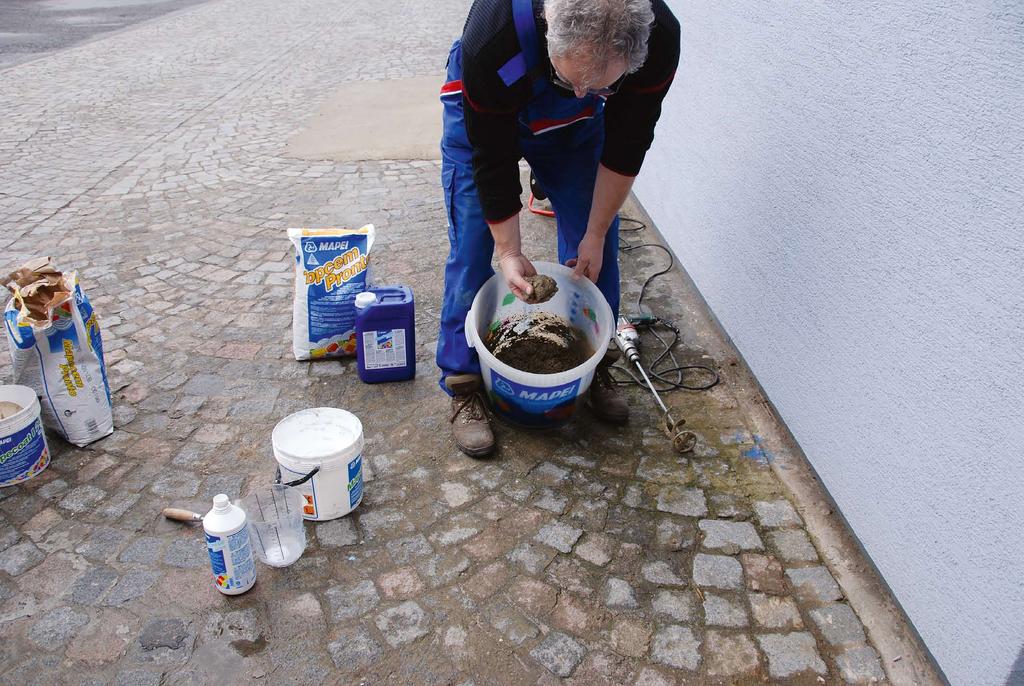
[
  {"x": 539, "y": 400},
  {"x": 320, "y": 452}
]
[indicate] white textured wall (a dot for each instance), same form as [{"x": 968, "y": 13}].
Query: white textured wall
[{"x": 844, "y": 182}]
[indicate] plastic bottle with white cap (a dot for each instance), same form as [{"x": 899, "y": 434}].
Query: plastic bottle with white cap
[{"x": 227, "y": 541}]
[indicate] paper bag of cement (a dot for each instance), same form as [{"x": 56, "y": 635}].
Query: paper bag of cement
[
  {"x": 54, "y": 337},
  {"x": 331, "y": 269}
]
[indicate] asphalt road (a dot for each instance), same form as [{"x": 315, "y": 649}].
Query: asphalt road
[{"x": 32, "y": 28}]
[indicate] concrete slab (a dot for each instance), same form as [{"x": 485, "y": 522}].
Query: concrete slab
[{"x": 396, "y": 119}]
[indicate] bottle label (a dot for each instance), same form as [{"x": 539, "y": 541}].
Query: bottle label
[
  {"x": 384, "y": 349},
  {"x": 231, "y": 560}
]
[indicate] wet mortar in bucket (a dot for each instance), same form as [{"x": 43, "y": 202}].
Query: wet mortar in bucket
[{"x": 538, "y": 343}]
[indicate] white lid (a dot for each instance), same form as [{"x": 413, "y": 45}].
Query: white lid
[
  {"x": 317, "y": 436},
  {"x": 221, "y": 502},
  {"x": 365, "y": 299}
]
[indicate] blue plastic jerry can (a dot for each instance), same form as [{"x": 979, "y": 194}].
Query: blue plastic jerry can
[{"x": 386, "y": 334}]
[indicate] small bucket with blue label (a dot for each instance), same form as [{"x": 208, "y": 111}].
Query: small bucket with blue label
[
  {"x": 319, "y": 451},
  {"x": 23, "y": 449},
  {"x": 539, "y": 400}
]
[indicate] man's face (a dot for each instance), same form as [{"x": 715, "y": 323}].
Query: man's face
[{"x": 579, "y": 73}]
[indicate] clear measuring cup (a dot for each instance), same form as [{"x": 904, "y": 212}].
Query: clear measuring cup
[{"x": 274, "y": 514}]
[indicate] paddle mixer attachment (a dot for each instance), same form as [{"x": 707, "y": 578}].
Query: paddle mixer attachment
[{"x": 627, "y": 338}]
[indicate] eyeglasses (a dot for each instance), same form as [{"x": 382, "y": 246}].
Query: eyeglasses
[{"x": 563, "y": 83}]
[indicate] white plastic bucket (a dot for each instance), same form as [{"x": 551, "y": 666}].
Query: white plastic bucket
[
  {"x": 320, "y": 452},
  {"x": 539, "y": 400},
  {"x": 23, "y": 449}
]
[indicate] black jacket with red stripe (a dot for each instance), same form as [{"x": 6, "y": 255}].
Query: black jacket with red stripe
[{"x": 490, "y": 107}]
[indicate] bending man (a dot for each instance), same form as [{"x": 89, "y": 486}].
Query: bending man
[{"x": 575, "y": 87}]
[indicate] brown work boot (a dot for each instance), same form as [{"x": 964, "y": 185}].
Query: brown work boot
[
  {"x": 470, "y": 423},
  {"x": 604, "y": 399}
]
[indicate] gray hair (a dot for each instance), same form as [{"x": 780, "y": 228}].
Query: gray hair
[{"x": 601, "y": 29}]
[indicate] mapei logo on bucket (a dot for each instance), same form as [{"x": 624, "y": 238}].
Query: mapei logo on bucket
[
  {"x": 504, "y": 387},
  {"x": 533, "y": 405}
]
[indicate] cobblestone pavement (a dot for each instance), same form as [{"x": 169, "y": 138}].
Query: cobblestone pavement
[{"x": 152, "y": 161}]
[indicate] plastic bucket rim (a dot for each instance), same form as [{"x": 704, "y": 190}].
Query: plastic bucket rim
[
  {"x": 26, "y": 415},
  {"x": 531, "y": 378},
  {"x": 327, "y": 461}
]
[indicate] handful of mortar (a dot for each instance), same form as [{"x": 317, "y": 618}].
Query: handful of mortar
[{"x": 543, "y": 288}]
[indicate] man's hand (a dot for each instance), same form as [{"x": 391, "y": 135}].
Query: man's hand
[
  {"x": 590, "y": 257},
  {"x": 513, "y": 264},
  {"x": 514, "y": 267}
]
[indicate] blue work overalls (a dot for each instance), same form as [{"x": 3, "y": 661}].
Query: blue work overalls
[{"x": 561, "y": 139}]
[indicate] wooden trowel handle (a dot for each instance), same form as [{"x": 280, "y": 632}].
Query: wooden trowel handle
[{"x": 182, "y": 515}]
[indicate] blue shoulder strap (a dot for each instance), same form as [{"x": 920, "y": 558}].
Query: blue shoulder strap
[
  {"x": 526, "y": 29},
  {"x": 525, "y": 63}
]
